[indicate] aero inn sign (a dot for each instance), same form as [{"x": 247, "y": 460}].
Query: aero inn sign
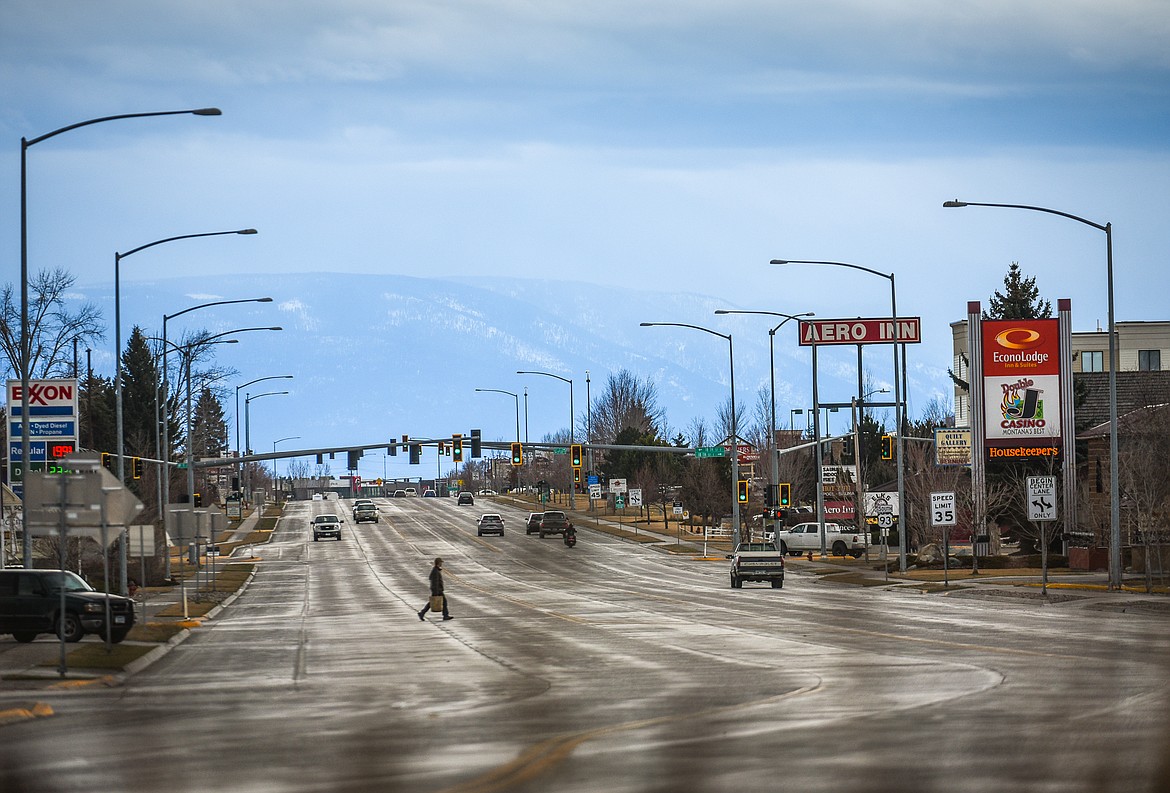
[{"x": 861, "y": 331}]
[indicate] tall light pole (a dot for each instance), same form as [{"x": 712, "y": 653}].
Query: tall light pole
[
  {"x": 248, "y": 431},
  {"x": 245, "y": 385},
  {"x": 774, "y": 479},
  {"x": 514, "y": 396},
  {"x": 25, "y": 352},
  {"x": 589, "y": 429},
  {"x": 275, "y": 469},
  {"x": 190, "y": 422},
  {"x": 900, "y": 388},
  {"x": 572, "y": 420},
  {"x": 164, "y": 452},
  {"x": 1114, "y": 483},
  {"x": 118, "y": 257},
  {"x": 734, "y": 419}
]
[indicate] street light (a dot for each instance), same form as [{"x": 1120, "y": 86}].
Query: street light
[
  {"x": 275, "y": 463},
  {"x": 900, "y": 387},
  {"x": 25, "y": 352},
  {"x": 190, "y": 427},
  {"x": 572, "y": 421},
  {"x": 514, "y": 396},
  {"x": 775, "y": 477},
  {"x": 118, "y": 257},
  {"x": 1114, "y": 483},
  {"x": 236, "y": 415},
  {"x": 248, "y": 433},
  {"x": 734, "y": 418},
  {"x": 164, "y": 452}
]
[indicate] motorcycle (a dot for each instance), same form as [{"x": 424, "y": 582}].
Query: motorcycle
[{"x": 570, "y": 537}]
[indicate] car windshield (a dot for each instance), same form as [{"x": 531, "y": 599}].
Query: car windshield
[{"x": 71, "y": 582}]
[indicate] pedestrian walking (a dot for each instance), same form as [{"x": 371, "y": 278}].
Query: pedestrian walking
[{"x": 438, "y": 598}]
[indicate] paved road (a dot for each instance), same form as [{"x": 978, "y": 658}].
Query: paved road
[{"x": 607, "y": 667}]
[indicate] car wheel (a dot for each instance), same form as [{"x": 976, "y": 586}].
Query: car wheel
[
  {"x": 542, "y": 535},
  {"x": 117, "y": 636},
  {"x": 839, "y": 548},
  {"x": 777, "y": 584},
  {"x": 784, "y": 548},
  {"x": 24, "y": 637},
  {"x": 316, "y": 538},
  {"x": 71, "y": 630},
  {"x": 477, "y": 534}
]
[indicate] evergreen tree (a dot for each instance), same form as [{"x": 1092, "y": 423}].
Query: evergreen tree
[
  {"x": 210, "y": 428},
  {"x": 1019, "y": 300},
  {"x": 140, "y": 381}
]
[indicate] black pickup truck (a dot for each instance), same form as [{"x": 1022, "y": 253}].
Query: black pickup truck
[
  {"x": 554, "y": 522},
  {"x": 30, "y": 604}
]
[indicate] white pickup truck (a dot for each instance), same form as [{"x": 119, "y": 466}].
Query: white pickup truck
[
  {"x": 757, "y": 561},
  {"x": 805, "y": 537}
]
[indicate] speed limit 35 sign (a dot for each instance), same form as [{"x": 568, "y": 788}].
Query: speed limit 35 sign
[{"x": 942, "y": 509}]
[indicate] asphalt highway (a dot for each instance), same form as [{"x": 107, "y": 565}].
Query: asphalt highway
[{"x": 606, "y": 667}]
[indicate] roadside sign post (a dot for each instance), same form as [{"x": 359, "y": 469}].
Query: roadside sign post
[
  {"x": 1041, "y": 498},
  {"x": 942, "y": 515}
]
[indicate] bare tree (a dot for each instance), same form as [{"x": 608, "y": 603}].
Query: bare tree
[
  {"x": 1143, "y": 480},
  {"x": 626, "y": 401},
  {"x": 53, "y": 324}
]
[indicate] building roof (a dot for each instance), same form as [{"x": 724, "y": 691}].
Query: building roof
[{"x": 1134, "y": 390}]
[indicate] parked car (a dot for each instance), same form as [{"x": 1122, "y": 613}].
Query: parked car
[
  {"x": 465, "y": 499},
  {"x": 30, "y": 604},
  {"x": 326, "y": 526},
  {"x": 410, "y": 491},
  {"x": 533, "y": 523},
  {"x": 490, "y": 523}
]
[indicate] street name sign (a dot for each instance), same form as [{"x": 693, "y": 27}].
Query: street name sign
[{"x": 710, "y": 451}]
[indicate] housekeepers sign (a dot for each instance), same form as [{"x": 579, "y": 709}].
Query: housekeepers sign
[{"x": 906, "y": 330}]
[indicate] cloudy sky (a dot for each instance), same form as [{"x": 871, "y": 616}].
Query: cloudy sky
[{"x": 655, "y": 145}]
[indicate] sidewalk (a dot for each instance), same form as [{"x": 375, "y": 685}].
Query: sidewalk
[{"x": 161, "y": 625}]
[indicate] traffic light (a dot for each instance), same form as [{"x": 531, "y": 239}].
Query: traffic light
[
  {"x": 785, "y": 494},
  {"x": 887, "y": 447},
  {"x": 576, "y": 476},
  {"x": 847, "y": 451},
  {"x": 770, "y": 495},
  {"x": 517, "y": 454},
  {"x": 352, "y": 457},
  {"x": 442, "y": 448},
  {"x": 575, "y": 453},
  {"x": 136, "y": 467},
  {"x": 392, "y": 450},
  {"x": 415, "y": 453},
  {"x": 198, "y": 500},
  {"x": 457, "y": 448},
  {"x": 742, "y": 491},
  {"x": 108, "y": 461},
  {"x": 476, "y": 449}
]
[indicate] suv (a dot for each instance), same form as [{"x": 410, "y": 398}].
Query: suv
[
  {"x": 30, "y": 604},
  {"x": 365, "y": 512},
  {"x": 465, "y": 499},
  {"x": 533, "y": 524},
  {"x": 555, "y": 522},
  {"x": 326, "y": 526},
  {"x": 490, "y": 523}
]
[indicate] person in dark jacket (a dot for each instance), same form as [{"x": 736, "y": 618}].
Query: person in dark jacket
[{"x": 436, "y": 590}]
